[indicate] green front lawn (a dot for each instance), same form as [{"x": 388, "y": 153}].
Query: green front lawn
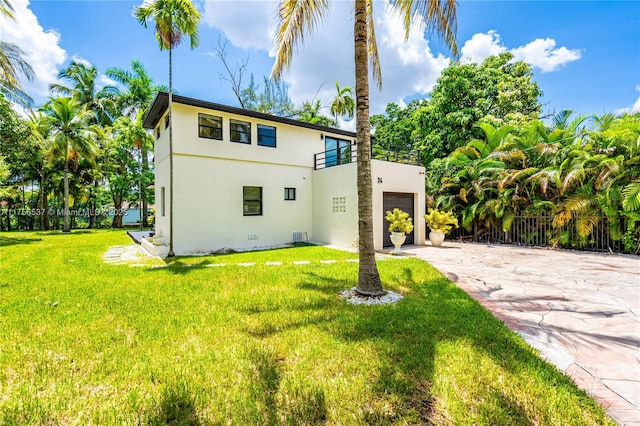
[{"x": 84, "y": 342}]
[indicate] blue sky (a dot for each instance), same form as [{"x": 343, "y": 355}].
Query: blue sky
[{"x": 585, "y": 55}]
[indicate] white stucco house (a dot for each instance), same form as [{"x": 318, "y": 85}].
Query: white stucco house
[{"x": 244, "y": 180}]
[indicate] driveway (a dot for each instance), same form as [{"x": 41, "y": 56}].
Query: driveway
[{"x": 580, "y": 310}]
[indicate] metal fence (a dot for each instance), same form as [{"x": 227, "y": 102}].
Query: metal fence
[
  {"x": 538, "y": 231},
  {"x": 346, "y": 155}
]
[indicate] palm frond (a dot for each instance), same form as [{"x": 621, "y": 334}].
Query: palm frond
[
  {"x": 296, "y": 19},
  {"x": 372, "y": 46},
  {"x": 631, "y": 197}
]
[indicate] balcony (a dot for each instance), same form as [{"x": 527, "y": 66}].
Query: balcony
[{"x": 348, "y": 154}]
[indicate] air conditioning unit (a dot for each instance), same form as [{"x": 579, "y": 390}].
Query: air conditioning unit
[{"x": 300, "y": 237}]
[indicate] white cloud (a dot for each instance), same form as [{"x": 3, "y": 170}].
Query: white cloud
[
  {"x": 81, "y": 60},
  {"x": 633, "y": 109},
  {"x": 542, "y": 54},
  {"x": 245, "y": 23},
  {"x": 327, "y": 55},
  {"x": 103, "y": 80},
  {"x": 41, "y": 48},
  {"x": 480, "y": 46}
]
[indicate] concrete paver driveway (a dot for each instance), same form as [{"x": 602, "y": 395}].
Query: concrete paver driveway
[{"x": 580, "y": 310}]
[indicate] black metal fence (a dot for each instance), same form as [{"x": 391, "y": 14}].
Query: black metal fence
[
  {"x": 335, "y": 157},
  {"x": 346, "y": 155},
  {"x": 539, "y": 231}
]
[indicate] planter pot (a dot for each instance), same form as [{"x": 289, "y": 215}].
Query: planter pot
[
  {"x": 436, "y": 238},
  {"x": 397, "y": 238}
]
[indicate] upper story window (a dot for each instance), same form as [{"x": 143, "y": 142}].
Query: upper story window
[
  {"x": 166, "y": 121},
  {"x": 240, "y": 131},
  {"x": 209, "y": 126},
  {"x": 266, "y": 135},
  {"x": 158, "y": 133},
  {"x": 337, "y": 151}
]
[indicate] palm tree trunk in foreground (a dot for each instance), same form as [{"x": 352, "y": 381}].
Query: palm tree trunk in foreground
[
  {"x": 67, "y": 225},
  {"x": 368, "y": 278},
  {"x": 171, "y": 253}
]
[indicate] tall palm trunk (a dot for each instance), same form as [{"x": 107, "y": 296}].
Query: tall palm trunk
[
  {"x": 143, "y": 191},
  {"x": 171, "y": 253},
  {"x": 368, "y": 278},
  {"x": 67, "y": 223}
]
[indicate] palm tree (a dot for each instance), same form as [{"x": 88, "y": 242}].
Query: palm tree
[
  {"x": 343, "y": 103},
  {"x": 298, "y": 17},
  {"x": 12, "y": 61},
  {"x": 174, "y": 19},
  {"x": 310, "y": 113},
  {"x": 83, "y": 88},
  {"x": 140, "y": 89},
  {"x": 70, "y": 136},
  {"x": 135, "y": 101}
]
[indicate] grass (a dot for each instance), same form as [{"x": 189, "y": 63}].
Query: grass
[{"x": 84, "y": 342}]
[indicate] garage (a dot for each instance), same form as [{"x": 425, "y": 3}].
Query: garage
[{"x": 391, "y": 200}]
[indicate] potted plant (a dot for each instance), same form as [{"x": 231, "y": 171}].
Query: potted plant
[
  {"x": 440, "y": 222},
  {"x": 400, "y": 224}
]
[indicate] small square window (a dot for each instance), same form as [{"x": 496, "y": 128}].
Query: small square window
[
  {"x": 252, "y": 201},
  {"x": 266, "y": 136},
  {"x": 290, "y": 194},
  {"x": 240, "y": 131},
  {"x": 209, "y": 126}
]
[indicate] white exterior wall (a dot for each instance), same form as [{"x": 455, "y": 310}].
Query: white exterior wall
[
  {"x": 209, "y": 175},
  {"x": 398, "y": 178},
  {"x": 161, "y": 155},
  {"x": 341, "y": 228},
  {"x": 335, "y": 205}
]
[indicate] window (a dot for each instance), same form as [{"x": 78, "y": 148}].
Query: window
[
  {"x": 252, "y": 201},
  {"x": 209, "y": 126},
  {"x": 162, "y": 209},
  {"x": 166, "y": 121},
  {"x": 158, "y": 133},
  {"x": 290, "y": 194},
  {"x": 266, "y": 135},
  {"x": 240, "y": 131},
  {"x": 337, "y": 151}
]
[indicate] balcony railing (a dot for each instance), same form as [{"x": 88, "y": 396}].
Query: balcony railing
[
  {"x": 346, "y": 155},
  {"x": 334, "y": 157}
]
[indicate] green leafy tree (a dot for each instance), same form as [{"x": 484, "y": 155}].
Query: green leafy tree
[
  {"x": 295, "y": 19},
  {"x": 70, "y": 136},
  {"x": 393, "y": 130},
  {"x": 135, "y": 101},
  {"x": 498, "y": 91},
  {"x": 310, "y": 113},
  {"x": 122, "y": 169},
  {"x": 174, "y": 19},
  {"x": 273, "y": 98}
]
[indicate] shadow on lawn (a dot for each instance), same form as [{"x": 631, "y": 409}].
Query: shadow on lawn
[
  {"x": 176, "y": 407},
  {"x": 12, "y": 241},
  {"x": 405, "y": 336}
]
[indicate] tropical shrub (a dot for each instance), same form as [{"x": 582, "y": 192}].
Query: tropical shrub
[
  {"x": 440, "y": 220},
  {"x": 399, "y": 221}
]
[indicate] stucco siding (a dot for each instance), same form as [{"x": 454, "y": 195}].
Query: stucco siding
[
  {"x": 209, "y": 204},
  {"x": 393, "y": 177},
  {"x": 335, "y": 205}
]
